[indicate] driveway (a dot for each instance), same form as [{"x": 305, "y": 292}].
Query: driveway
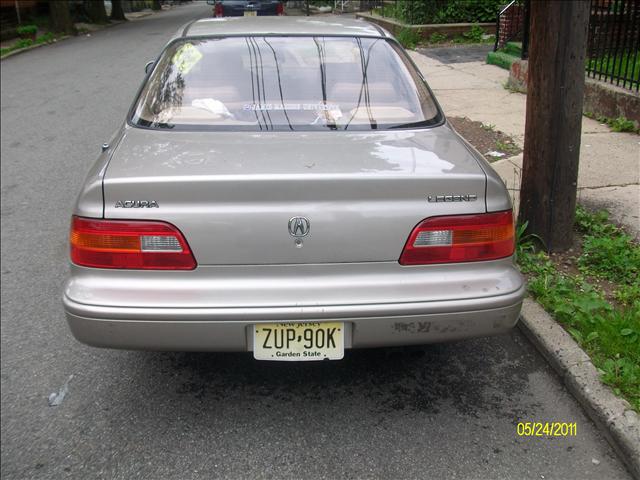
[
  {"x": 440, "y": 411},
  {"x": 458, "y": 53}
]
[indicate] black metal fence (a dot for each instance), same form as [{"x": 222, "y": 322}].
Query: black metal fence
[{"x": 613, "y": 52}]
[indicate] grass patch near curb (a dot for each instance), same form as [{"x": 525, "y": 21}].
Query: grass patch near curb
[
  {"x": 27, "y": 42},
  {"x": 620, "y": 124},
  {"x": 595, "y": 296}
]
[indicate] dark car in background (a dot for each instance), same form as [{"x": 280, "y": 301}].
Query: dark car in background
[{"x": 246, "y": 8}]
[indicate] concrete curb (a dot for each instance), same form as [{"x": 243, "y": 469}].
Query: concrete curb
[
  {"x": 32, "y": 47},
  {"x": 613, "y": 415}
]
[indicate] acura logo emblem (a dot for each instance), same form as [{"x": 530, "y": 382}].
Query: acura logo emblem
[{"x": 299, "y": 227}]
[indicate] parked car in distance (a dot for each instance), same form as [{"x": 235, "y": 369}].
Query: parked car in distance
[
  {"x": 246, "y": 8},
  {"x": 288, "y": 187}
]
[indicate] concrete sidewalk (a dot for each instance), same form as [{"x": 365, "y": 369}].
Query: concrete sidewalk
[{"x": 609, "y": 175}]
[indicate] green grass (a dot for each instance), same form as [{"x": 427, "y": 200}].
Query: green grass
[
  {"x": 506, "y": 147},
  {"x": 618, "y": 65},
  {"x": 474, "y": 35},
  {"x": 607, "y": 251},
  {"x": 27, "y": 42},
  {"x": 437, "y": 37},
  {"x": 501, "y": 59},
  {"x": 408, "y": 38},
  {"x": 608, "y": 331},
  {"x": 27, "y": 30},
  {"x": 513, "y": 48},
  {"x": 470, "y": 38},
  {"x": 620, "y": 124}
]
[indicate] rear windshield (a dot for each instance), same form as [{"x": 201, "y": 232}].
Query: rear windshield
[{"x": 263, "y": 83}]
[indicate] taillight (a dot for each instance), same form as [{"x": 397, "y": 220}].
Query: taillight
[
  {"x": 280, "y": 8},
  {"x": 218, "y": 10},
  {"x": 129, "y": 244},
  {"x": 460, "y": 238}
]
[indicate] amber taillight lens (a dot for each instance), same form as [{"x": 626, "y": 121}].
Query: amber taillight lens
[{"x": 129, "y": 244}]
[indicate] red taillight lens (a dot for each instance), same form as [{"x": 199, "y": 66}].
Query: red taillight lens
[
  {"x": 130, "y": 244},
  {"x": 280, "y": 8},
  {"x": 460, "y": 238},
  {"x": 218, "y": 11}
]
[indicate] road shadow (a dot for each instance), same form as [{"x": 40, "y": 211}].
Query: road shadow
[{"x": 474, "y": 377}]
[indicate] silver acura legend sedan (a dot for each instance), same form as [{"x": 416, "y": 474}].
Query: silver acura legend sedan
[{"x": 290, "y": 187}]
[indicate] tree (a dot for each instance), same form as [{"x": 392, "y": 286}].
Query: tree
[
  {"x": 117, "y": 13},
  {"x": 61, "y": 17},
  {"x": 95, "y": 11},
  {"x": 554, "y": 119},
  {"x": 156, "y": 5}
]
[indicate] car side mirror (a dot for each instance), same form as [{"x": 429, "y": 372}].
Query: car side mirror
[{"x": 149, "y": 66}]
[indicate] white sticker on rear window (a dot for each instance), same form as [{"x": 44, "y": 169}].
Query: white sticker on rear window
[
  {"x": 186, "y": 57},
  {"x": 292, "y": 106}
]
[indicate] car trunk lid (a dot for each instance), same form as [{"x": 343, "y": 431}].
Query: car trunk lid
[{"x": 353, "y": 196}]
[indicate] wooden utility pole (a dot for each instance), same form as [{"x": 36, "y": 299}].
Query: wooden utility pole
[{"x": 555, "y": 89}]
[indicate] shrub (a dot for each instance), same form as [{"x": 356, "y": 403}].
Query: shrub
[
  {"x": 408, "y": 38},
  {"x": 457, "y": 11},
  {"x": 388, "y": 10},
  {"x": 46, "y": 38},
  {"x": 622, "y": 124},
  {"x": 475, "y": 34},
  {"x": 27, "y": 31},
  {"x": 437, "y": 37},
  {"x": 439, "y": 11},
  {"x": 415, "y": 12},
  {"x": 23, "y": 43}
]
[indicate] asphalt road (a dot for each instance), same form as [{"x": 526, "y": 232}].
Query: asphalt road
[{"x": 445, "y": 411}]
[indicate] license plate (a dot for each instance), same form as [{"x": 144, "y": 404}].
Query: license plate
[
  {"x": 298, "y": 342},
  {"x": 250, "y": 13}
]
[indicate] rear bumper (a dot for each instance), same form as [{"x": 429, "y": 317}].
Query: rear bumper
[{"x": 228, "y": 329}]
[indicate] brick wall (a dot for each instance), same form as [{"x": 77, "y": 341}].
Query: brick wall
[{"x": 511, "y": 25}]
